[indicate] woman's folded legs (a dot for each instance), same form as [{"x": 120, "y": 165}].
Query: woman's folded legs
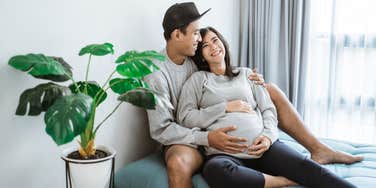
[{"x": 280, "y": 160}]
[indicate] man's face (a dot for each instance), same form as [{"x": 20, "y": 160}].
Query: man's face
[{"x": 191, "y": 39}]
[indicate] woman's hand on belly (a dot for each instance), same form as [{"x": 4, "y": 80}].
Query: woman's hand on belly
[
  {"x": 260, "y": 145},
  {"x": 238, "y": 106}
]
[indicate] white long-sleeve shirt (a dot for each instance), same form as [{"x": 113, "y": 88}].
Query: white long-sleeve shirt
[{"x": 202, "y": 104}]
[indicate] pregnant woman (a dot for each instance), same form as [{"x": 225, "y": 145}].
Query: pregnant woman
[{"x": 203, "y": 103}]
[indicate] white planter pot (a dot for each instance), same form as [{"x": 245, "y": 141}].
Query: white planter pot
[{"x": 94, "y": 173}]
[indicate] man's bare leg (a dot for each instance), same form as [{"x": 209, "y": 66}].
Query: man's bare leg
[
  {"x": 291, "y": 123},
  {"x": 182, "y": 162}
]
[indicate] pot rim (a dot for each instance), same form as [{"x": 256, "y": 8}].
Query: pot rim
[{"x": 106, "y": 149}]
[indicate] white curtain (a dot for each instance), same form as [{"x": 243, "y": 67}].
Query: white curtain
[
  {"x": 274, "y": 39},
  {"x": 340, "y": 100}
]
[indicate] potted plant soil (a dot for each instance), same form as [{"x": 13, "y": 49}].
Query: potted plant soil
[{"x": 69, "y": 110}]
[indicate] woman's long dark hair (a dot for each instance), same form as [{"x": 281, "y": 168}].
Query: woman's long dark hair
[{"x": 199, "y": 60}]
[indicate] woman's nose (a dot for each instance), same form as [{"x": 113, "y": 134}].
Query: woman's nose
[{"x": 213, "y": 47}]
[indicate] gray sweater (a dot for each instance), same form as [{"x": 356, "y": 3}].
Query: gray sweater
[
  {"x": 202, "y": 104},
  {"x": 163, "y": 126}
]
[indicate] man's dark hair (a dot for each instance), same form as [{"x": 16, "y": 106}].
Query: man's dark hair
[
  {"x": 167, "y": 34},
  {"x": 199, "y": 60}
]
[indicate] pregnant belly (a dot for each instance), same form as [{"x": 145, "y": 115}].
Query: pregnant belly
[{"x": 248, "y": 125}]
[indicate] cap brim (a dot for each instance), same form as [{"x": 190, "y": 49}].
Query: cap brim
[
  {"x": 198, "y": 17},
  {"x": 205, "y": 12}
]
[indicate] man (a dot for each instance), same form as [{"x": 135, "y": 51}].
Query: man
[{"x": 181, "y": 31}]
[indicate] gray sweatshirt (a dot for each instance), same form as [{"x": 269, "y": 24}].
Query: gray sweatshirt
[
  {"x": 163, "y": 126},
  {"x": 202, "y": 104}
]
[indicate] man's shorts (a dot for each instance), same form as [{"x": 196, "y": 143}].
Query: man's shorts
[{"x": 164, "y": 148}]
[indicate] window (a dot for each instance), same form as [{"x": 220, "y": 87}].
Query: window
[{"x": 341, "y": 78}]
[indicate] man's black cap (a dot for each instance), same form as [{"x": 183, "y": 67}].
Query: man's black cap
[{"x": 179, "y": 15}]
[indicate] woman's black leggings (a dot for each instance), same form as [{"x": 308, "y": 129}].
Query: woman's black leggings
[{"x": 280, "y": 160}]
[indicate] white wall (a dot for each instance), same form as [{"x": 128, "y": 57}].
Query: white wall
[{"x": 28, "y": 157}]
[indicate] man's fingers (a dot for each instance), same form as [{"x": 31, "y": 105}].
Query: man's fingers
[
  {"x": 234, "y": 150},
  {"x": 253, "y": 77},
  {"x": 237, "y": 145},
  {"x": 237, "y": 139},
  {"x": 231, "y": 151}
]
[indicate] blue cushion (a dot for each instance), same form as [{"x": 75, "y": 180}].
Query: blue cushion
[{"x": 150, "y": 172}]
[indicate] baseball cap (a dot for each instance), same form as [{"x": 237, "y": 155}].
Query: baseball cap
[{"x": 179, "y": 15}]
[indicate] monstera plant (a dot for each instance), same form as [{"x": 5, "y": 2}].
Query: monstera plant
[{"x": 70, "y": 109}]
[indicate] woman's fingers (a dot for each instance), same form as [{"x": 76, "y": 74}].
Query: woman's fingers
[
  {"x": 257, "y": 152},
  {"x": 245, "y": 107},
  {"x": 257, "y": 147},
  {"x": 238, "y": 106}
]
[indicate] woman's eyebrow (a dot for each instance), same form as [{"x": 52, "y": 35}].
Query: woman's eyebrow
[{"x": 215, "y": 37}]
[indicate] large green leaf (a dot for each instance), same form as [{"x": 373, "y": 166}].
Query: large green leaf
[
  {"x": 97, "y": 49},
  {"x": 120, "y": 85},
  {"x": 138, "y": 64},
  {"x": 146, "y": 98},
  {"x": 93, "y": 89},
  {"x": 68, "y": 117},
  {"x": 40, "y": 98},
  {"x": 59, "y": 78},
  {"x": 41, "y": 66}
]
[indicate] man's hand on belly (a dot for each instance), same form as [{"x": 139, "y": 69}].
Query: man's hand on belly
[{"x": 219, "y": 139}]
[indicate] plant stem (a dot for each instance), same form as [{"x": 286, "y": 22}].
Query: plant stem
[
  {"x": 97, "y": 96},
  {"x": 100, "y": 124},
  {"x": 108, "y": 79},
  {"x": 87, "y": 73},
  {"x": 74, "y": 82}
]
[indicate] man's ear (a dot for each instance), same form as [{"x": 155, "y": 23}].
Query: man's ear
[{"x": 176, "y": 34}]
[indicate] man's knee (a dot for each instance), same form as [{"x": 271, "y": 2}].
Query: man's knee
[
  {"x": 278, "y": 97},
  {"x": 183, "y": 160},
  {"x": 177, "y": 163},
  {"x": 273, "y": 90}
]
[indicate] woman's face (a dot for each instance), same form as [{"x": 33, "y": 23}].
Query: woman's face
[{"x": 213, "y": 49}]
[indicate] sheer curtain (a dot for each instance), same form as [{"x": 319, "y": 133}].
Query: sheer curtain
[
  {"x": 340, "y": 97},
  {"x": 274, "y": 39}
]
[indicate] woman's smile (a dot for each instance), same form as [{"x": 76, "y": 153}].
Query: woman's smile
[{"x": 216, "y": 52}]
